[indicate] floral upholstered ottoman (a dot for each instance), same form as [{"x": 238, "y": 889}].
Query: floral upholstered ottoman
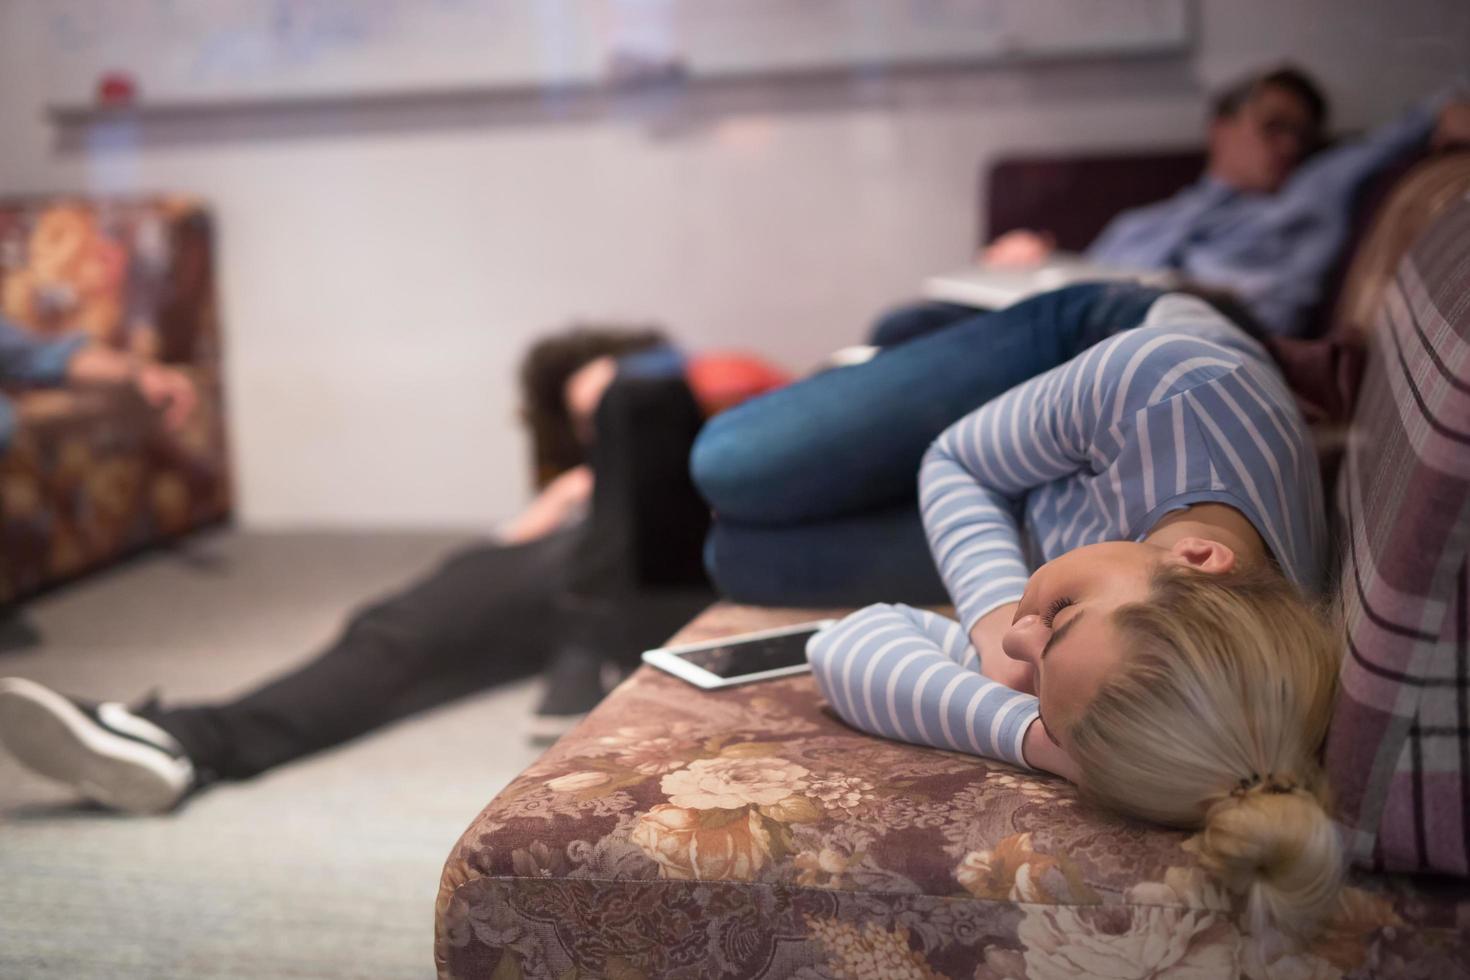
[{"x": 749, "y": 833}]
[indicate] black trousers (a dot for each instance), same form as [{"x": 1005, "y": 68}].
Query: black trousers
[{"x": 624, "y": 580}]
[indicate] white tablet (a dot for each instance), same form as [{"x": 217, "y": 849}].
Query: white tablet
[{"x": 739, "y": 659}]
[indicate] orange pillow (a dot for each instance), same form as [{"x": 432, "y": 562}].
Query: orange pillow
[{"x": 721, "y": 381}]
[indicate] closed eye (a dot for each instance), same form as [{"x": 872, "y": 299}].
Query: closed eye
[
  {"x": 1057, "y": 605},
  {"x": 1057, "y": 635}
]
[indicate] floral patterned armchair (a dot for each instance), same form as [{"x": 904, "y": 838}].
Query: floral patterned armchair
[{"x": 90, "y": 476}]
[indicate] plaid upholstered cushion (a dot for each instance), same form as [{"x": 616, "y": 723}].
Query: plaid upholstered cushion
[{"x": 1399, "y": 748}]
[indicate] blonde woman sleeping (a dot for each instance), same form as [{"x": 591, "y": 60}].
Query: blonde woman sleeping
[{"x": 1164, "y": 655}]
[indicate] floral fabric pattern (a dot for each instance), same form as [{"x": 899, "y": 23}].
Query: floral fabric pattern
[{"x": 752, "y": 834}]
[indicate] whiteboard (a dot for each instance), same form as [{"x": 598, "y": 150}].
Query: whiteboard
[{"x": 230, "y": 50}]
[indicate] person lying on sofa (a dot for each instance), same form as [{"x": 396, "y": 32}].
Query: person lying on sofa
[
  {"x": 28, "y": 361},
  {"x": 809, "y": 481},
  {"x": 812, "y": 485},
  {"x": 1166, "y": 655},
  {"x": 1265, "y": 223},
  {"x": 596, "y": 569}
]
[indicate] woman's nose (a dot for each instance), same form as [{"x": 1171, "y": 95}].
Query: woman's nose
[{"x": 1025, "y": 639}]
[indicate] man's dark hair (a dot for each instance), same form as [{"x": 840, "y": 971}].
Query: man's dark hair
[
  {"x": 1288, "y": 77},
  {"x": 543, "y": 377}
]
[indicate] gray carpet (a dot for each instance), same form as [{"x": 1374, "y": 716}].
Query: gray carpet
[{"x": 325, "y": 868}]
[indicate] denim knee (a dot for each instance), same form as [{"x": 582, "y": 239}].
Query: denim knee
[{"x": 723, "y": 468}]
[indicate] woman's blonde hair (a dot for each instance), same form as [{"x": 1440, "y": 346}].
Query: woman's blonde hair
[{"x": 1214, "y": 722}]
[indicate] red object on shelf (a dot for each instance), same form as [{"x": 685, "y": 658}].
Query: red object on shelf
[{"x": 116, "y": 88}]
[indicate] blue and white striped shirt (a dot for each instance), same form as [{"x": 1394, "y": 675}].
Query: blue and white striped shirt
[{"x": 1184, "y": 409}]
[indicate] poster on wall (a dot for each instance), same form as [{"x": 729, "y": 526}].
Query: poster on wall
[{"x": 200, "y": 51}]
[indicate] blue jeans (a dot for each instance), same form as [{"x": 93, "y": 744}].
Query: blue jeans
[
  {"x": 914, "y": 320},
  {"x": 814, "y": 485}
]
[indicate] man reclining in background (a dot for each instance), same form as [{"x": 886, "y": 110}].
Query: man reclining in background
[
  {"x": 813, "y": 486},
  {"x": 1265, "y": 223},
  {"x": 603, "y": 564}
]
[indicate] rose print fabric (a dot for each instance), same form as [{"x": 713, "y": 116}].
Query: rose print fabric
[{"x": 750, "y": 833}]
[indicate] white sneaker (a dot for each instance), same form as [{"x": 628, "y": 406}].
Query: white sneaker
[{"x": 104, "y": 751}]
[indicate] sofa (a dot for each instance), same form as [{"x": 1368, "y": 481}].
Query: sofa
[
  {"x": 91, "y": 476},
  {"x": 749, "y": 833}
]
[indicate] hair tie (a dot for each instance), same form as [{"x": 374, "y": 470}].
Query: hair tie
[
  {"x": 1270, "y": 783},
  {"x": 1279, "y": 784},
  {"x": 1246, "y": 784}
]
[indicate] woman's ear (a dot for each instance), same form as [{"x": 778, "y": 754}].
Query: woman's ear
[{"x": 1202, "y": 555}]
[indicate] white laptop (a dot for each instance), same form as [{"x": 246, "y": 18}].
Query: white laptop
[{"x": 993, "y": 287}]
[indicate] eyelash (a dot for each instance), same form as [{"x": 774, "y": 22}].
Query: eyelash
[{"x": 1057, "y": 605}]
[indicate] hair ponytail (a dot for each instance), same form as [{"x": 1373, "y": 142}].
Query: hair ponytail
[
  {"x": 1213, "y": 722},
  {"x": 1273, "y": 842}
]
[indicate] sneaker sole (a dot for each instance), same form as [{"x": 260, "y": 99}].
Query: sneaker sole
[{"x": 52, "y": 737}]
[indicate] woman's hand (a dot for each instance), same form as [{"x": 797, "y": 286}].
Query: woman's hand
[{"x": 1037, "y": 746}]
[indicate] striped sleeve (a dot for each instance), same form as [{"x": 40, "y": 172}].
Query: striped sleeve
[
  {"x": 973, "y": 535},
  {"x": 976, "y": 476},
  {"x": 911, "y": 675}
]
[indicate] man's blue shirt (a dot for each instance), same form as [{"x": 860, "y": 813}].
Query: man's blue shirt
[{"x": 1273, "y": 251}]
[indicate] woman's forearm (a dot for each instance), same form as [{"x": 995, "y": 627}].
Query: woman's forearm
[{"x": 861, "y": 664}]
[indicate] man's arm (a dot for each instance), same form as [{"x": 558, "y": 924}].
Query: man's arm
[{"x": 1332, "y": 177}]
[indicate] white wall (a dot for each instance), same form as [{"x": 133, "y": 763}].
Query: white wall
[{"x": 383, "y": 268}]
